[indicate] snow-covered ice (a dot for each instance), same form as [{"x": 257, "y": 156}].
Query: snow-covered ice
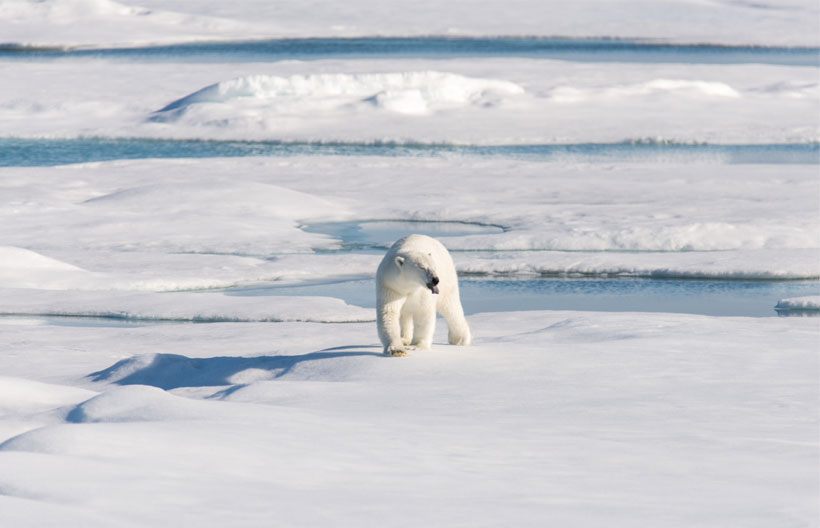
[
  {"x": 552, "y": 416},
  {"x": 138, "y": 389},
  {"x": 807, "y": 303},
  {"x": 105, "y": 22},
  {"x": 114, "y": 225},
  {"x": 585, "y": 418},
  {"x": 466, "y": 101}
]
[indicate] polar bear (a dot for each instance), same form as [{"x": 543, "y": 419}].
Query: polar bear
[{"x": 416, "y": 279}]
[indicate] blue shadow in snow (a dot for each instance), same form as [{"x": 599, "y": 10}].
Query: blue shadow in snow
[{"x": 172, "y": 371}]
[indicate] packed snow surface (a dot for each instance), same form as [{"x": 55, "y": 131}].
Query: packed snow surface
[
  {"x": 549, "y": 416},
  {"x": 106, "y": 23}
]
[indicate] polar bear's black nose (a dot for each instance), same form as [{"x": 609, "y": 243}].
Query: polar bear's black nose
[{"x": 434, "y": 280}]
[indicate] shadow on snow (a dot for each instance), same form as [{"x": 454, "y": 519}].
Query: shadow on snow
[{"x": 172, "y": 371}]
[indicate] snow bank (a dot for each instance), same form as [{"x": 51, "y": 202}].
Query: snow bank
[
  {"x": 809, "y": 303},
  {"x": 414, "y": 93}
]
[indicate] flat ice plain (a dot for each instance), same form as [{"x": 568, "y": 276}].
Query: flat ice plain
[{"x": 117, "y": 410}]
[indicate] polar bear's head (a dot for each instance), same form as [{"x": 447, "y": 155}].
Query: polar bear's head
[{"x": 414, "y": 269}]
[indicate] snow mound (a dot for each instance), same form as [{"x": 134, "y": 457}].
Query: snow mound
[
  {"x": 655, "y": 87},
  {"x": 808, "y": 303},
  {"x": 224, "y": 198},
  {"x": 413, "y": 93},
  {"x": 136, "y": 404},
  {"x": 22, "y": 394}
]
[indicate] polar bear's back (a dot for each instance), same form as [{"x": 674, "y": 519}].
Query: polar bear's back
[
  {"x": 425, "y": 244},
  {"x": 419, "y": 243}
]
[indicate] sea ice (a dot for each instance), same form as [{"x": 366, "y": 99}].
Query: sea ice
[
  {"x": 483, "y": 101},
  {"x": 587, "y": 418},
  {"x": 810, "y": 303},
  {"x": 106, "y": 23}
]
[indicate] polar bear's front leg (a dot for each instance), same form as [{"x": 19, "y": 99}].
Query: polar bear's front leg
[
  {"x": 406, "y": 322},
  {"x": 424, "y": 321},
  {"x": 388, "y": 311}
]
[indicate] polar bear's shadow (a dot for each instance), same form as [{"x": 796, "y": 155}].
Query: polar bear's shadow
[{"x": 173, "y": 371}]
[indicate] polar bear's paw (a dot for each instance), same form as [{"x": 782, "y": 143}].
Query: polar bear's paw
[{"x": 395, "y": 351}]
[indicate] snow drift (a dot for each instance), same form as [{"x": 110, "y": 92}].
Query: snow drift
[{"x": 413, "y": 93}]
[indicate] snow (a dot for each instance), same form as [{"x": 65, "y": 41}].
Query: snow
[
  {"x": 112, "y": 226},
  {"x": 584, "y": 417},
  {"x": 487, "y": 101},
  {"x": 107, "y": 23},
  {"x": 810, "y": 303},
  {"x": 180, "y": 306},
  {"x": 404, "y": 93},
  {"x": 138, "y": 389},
  {"x": 271, "y": 420}
]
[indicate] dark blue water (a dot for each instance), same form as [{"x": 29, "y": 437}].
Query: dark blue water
[
  {"x": 584, "y": 50},
  {"x": 16, "y": 152},
  {"x": 705, "y": 297}
]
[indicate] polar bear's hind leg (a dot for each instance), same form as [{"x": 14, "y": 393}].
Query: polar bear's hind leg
[{"x": 459, "y": 330}]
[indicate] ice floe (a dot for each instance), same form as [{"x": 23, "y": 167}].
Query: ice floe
[
  {"x": 106, "y": 23},
  {"x": 807, "y": 303},
  {"x": 464, "y": 101},
  {"x": 272, "y": 418},
  {"x": 109, "y": 227}
]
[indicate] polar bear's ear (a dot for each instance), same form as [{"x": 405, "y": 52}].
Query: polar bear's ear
[{"x": 399, "y": 261}]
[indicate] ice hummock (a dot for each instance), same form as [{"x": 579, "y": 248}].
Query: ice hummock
[{"x": 414, "y": 93}]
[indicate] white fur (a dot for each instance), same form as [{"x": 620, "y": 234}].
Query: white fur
[{"x": 406, "y": 307}]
